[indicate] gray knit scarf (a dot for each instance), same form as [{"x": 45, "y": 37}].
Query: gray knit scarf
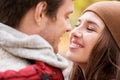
[{"x": 32, "y": 47}]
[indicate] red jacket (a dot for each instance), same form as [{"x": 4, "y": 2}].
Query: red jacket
[{"x": 37, "y": 71}]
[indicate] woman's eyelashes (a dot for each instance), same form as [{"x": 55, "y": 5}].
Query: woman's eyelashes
[
  {"x": 76, "y": 25},
  {"x": 90, "y": 28}
]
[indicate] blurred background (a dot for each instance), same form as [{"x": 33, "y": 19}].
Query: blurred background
[{"x": 79, "y": 6}]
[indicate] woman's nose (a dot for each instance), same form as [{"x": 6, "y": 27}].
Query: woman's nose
[{"x": 76, "y": 33}]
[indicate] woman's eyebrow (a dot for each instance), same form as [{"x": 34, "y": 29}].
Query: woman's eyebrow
[{"x": 92, "y": 22}]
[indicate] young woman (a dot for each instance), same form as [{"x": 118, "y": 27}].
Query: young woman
[{"x": 95, "y": 43}]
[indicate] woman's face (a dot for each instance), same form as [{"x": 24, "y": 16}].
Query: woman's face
[{"x": 84, "y": 37}]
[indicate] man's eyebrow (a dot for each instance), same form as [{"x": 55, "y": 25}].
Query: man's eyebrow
[{"x": 71, "y": 12}]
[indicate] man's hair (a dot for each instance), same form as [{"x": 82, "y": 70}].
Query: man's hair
[{"x": 12, "y": 11}]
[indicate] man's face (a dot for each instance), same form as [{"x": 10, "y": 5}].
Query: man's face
[{"x": 53, "y": 30}]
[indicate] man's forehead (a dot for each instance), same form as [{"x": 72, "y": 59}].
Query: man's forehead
[{"x": 67, "y": 7}]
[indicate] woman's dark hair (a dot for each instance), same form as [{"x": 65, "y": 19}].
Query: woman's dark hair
[
  {"x": 103, "y": 61},
  {"x": 12, "y": 11}
]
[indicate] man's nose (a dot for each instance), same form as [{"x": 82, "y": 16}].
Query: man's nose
[{"x": 68, "y": 28}]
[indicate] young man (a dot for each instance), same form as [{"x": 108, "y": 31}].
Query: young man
[{"x": 30, "y": 32}]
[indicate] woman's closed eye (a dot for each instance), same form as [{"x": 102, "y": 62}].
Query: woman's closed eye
[
  {"x": 76, "y": 25},
  {"x": 90, "y": 28}
]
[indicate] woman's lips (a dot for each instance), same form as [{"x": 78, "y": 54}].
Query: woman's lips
[{"x": 75, "y": 44}]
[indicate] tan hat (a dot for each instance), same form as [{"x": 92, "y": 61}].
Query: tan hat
[{"x": 109, "y": 12}]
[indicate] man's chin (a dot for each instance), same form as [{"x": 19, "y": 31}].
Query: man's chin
[{"x": 56, "y": 50}]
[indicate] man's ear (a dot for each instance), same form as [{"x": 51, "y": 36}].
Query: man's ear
[{"x": 40, "y": 12}]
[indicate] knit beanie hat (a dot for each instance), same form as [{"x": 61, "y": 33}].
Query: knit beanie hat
[{"x": 109, "y": 12}]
